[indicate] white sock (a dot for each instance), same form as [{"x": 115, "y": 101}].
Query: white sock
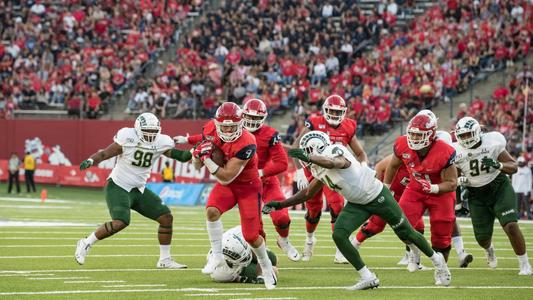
[
  {"x": 262, "y": 257},
  {"x": 523, "y": 258},
  {"x": 365, "y": 273},
  {"x": 435, "y": 260},
  {"x": 164, "y": 252},
  {"x": 490, "y": 248},
  {"x": 355, "y": 242},
  {"x": 457, "y": 242},
  {"x": 91, "y": 239},
  {"x": 284, "y": 239},
  {"x": 215, "y": 231},
  {"x": 310, "y": 236}
]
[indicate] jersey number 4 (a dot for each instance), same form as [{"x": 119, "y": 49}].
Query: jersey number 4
[
  {"x": 142, "y": 159},
  {"x": 475, "y": 168}
]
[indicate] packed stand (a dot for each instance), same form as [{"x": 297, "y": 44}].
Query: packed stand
[{"x": 75, "y": 54}]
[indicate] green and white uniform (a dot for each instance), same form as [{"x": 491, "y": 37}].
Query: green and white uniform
[
  {"x": 366, "y": 196},
  {"x": 491, "y": 194},
  {"x": 125, "y": 189}
]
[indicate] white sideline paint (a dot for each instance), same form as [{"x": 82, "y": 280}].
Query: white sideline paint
[
  {"x": 25, "y": 275},
  {"x": 40, "y": 224},
  {"x": 33, "y": 200},
  {"x": 133, "y": 285},
  {"x": 56, "y": 278},
  {"x": 94, "y": 281},
  {"x": 293, "y": 288},
  {"x": 35, "y": 206},
  {"x": 218, "y": 294}
]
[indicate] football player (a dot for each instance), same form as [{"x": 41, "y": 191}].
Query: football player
[
  {"x": 341, "y": 131},
  {"x": 432, "y": 184},
  {"x": 238, "y": 182},
  {"x": 272, "y": 160},
  {"x": 241, "y": 264},
  {"x": 137, "y": 149},
  {"x": 334, "y": 166},
  {"x": 484, "y": 165}
]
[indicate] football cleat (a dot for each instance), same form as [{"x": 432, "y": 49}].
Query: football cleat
[
  {"x": 288, "y": 249},
  {"x": 82, "y": 249},
  {"x": 308, "y": 249},
  {"x": 465, "y": 259},
  {"x": 525, "y": 269},
  {"x": 365, "y": 284},
  {"x": 213, "y": 262},
  {"x": 270, "y": 279},
  {"x": 169, "y": 263},
  {"x": 442, "y": 273},
  {"x": 492, "y": 261},
  {"x": 413, "y": 263},
  {"x": 339, "y": 257},
  {"x": 405, "y": 259}
]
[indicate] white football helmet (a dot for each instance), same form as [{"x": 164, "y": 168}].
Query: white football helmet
[
  {"x": 236, "y": 250},
  {"x": 468, "y": 132},
  {"x": 147, "y": 127},
  {"x": 314, "y": 142}
]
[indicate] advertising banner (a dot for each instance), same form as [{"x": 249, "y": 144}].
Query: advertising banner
[{"x": 177, "y": 193}]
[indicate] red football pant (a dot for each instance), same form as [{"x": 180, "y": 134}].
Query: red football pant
[
  {"x": 280, "y": 218},
  {"x": 376, "y": 225},
  {"x": 248, "y": 197},
  {"x": 441, "y": 214}
]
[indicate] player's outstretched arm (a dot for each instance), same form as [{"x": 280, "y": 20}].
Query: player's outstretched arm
[
  {"x": 180, "y": 155},
  {"x": 394, "y": 164},
  {"x": 111, "y": 151},
  {"x": 381, "y": 167},
  {"x": 297, "y": 198},
  {"x": 360, "y": 154},
  {"x": 338, "y": 162}
]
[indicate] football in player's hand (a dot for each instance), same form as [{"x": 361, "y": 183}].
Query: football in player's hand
[{"x": 218, "y": 156}]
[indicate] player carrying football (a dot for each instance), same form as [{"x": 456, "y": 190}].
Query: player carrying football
[
  {"x": 341, "y": 131},
  {"x": 334, "y": 166},
  {"x": 484, "y": 164},
  {"x": 238, "y": 182},
  {"x": 272, "y": 160},
  {"x": 137, "y": 149}
]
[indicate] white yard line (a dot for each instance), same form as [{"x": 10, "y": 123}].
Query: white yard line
[
  {"x": 25, "y": 275},
  {"x": 133, "y": 285},
  {"x": 94, "y": 281},
  {"x": 57, "y": 278},
  {"x": 281, "y": 298},
  {"x": 35, "y": 206},
  {"x": 294, "y": 288},
  {"x": 42, "y": 224},
  {"x": 218, "y": 294},
  {"x": 33, "y": 200}
]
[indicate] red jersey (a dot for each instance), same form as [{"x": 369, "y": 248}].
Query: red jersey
[
  {"x": 440, "y": 156},
  {"x": 343, "y": 134},
  {"x": 243, "y": 148},
  {"x": 399, "y": 182},
  {"x": 272, "y": 158}
]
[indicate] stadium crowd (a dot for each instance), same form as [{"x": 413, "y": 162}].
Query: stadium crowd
[{"x": 74, "y": 54}]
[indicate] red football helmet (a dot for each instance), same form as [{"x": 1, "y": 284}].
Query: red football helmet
[
  {"x": 254, "y": 114},
  {"x": 228, "y": 121},
  {"x": 334, "y": 109},
  {"x": 421, "y": 132}
]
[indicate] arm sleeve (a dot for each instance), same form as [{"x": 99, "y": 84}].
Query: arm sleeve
[
  {"x": 278, "y": 163},
  {"x": 246, "y": 152},
  {"x": 451, "y": 160},
  {"x": 194, "y": 139},
  {"x": 180, "y": 155},
  {"x": 308, "y": 124}
]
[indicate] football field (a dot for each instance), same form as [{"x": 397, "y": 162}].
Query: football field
[{"x": 37, "y": 243}]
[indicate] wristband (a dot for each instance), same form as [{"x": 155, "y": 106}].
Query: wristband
[
  {"x": 434, "y": 189},
  {"x": 501, "y": 166},
  {"x": 90, "y": 160},
  {"x": 261, "y": 173},
  {"x": 387, "y": 185},
  {"x": 211, "y": 166}
]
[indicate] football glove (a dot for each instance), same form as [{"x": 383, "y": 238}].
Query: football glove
[
  {"x": 428, "y": 187},
  {"x": 180, "y": 139},
  {"x": 489, "y": 162},
  {"x": 203, "y": 150},
  {"x": 301, "y": 180},
  {"x": 270, "y": 206},
  {"x": 461, "y": 210},
  {"x": 86, "y": 164},
  {"x": 462, "y": 180},
  {"x": 299, "y": 154}
]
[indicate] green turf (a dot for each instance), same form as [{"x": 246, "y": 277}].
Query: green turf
[{"x": 129, "y": 259}]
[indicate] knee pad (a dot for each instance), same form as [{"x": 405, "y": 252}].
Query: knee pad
[
  {"x": 283, "y": 225},
  {"x": 441, "y": 234},
  {"x": 365, "y": 230},
  {"x": 165, "y": 229},
  {"x": 312, "y": 220}
]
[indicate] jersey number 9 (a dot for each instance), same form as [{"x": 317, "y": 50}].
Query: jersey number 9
[{"x": 142, "y": 159}]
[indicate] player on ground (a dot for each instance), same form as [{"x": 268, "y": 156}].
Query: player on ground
[
  {"x": 238, "y": 182},
  {"x": 334, "y": 166},
  {"x": 137, "y": 149},
  {"x": 241, "y": 264},
  {"x": 484, "y": 164},
  {"x": 341, "y": 131},
  {"x": 272, "y": 160},
  {"x": 433, "y": 180}
]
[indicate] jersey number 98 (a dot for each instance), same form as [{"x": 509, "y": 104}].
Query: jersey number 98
[{"x": 142, "y": 159}]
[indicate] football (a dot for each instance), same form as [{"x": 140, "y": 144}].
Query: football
[{"x": 218, "y": 156}]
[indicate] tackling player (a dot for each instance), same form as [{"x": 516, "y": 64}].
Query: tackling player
[
  {"x": 241, "y": 264},
  {"x": 137, "y": 149},
  {"x": 341, "y": 131},
  {"x": 272, "y": 160},
  {"x": 334, "y": 166},
  {"x": 484, "y": 164},
  {"x": 433, "y": 181},
  {"x": 238, "y": 182}
]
